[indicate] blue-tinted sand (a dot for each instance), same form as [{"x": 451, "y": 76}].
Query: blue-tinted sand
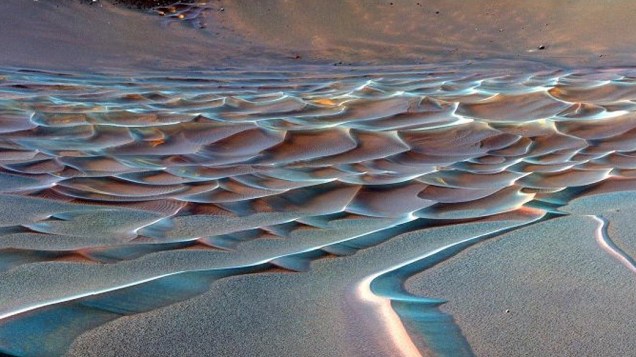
[
  {"x": 326, "y": 179},
  {"x": 250, "y": 185}
]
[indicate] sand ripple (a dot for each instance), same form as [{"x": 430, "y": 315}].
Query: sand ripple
[{"x": 122, "y": 195}]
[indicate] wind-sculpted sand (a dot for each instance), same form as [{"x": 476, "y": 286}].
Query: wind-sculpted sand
[
  {"x": 102, "y": 34},
  {"x": 375, "y": 211}
]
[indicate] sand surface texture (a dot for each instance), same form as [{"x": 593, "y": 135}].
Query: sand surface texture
[
  {"x": 319, "y": 178},
  {"x": 323, "y": 213},
  {"x": 219, "y": 34}
]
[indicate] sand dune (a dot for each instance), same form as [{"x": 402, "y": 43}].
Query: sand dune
[
  {"x": 317, "y": 178},
  {"x": 292, "y": 208}
]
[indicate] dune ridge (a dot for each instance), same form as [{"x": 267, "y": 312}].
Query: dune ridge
[{"x": 125, "y": 197}]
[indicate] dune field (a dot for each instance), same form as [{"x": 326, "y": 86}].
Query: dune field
[{"x": 317, "y": 178}]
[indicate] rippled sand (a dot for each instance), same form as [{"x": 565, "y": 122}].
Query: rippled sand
[
  {"x": 317, "y": 178},
  {"x": 395, "y": 210}
]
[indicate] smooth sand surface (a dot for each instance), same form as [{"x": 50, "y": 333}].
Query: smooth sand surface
[
  {"x": 545, "y": 290},
  {"x": 47, "y": 34}
]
